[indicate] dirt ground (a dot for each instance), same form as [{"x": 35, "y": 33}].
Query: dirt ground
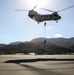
[{"x": 36, "y": 64}]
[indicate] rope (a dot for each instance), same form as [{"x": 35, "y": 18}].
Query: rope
[{"x": 45, "y": 32}]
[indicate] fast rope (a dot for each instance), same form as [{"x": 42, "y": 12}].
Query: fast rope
[{"x": 45, "y": 32}]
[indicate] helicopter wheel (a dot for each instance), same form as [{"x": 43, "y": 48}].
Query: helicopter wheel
[
  {"x": 38, "y": 22},
  {"x": 56, "y": 21}
]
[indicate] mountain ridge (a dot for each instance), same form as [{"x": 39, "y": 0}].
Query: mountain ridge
[{"x": 38, "y": 46}]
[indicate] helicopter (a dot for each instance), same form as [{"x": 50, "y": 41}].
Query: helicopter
[{"x": 46, "y": 17}]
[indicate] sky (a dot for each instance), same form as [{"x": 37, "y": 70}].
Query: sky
[{"x": 17, "y": 26}]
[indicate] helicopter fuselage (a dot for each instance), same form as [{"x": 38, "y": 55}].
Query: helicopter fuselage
[{"x": 40, "y": 18}]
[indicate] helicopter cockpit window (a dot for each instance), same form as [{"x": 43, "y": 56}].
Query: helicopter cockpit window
[
  {"x": 31, "y": 16},
  {"x": 55, "y": 15},
  {"x": 50, "y": 15}
]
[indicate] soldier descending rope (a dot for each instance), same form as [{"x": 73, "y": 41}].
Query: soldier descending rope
[{"x": 45, "y": 33}]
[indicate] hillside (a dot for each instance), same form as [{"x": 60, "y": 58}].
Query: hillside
[
  {"x": 63, "y": 42},
  {"x": 1, "y": 45},
  {"x": 51, "y": 46}
]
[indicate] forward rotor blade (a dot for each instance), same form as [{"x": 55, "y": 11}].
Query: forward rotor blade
[
  {"x": 47, "y": 10},
  {"x": 21, "y": 10},
  {"x": 66, "y": 8},
  {"x": 34, "y": 7}
]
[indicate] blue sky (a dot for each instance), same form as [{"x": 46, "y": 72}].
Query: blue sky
[{"x": 17, "y": 26}]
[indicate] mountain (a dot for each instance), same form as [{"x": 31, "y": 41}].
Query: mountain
[
  {"x": 15, "y": 43},
  {"x": 63, "y": 42},
  {"x": 1, "y": 45},
  {"x": 40, "y": 46}
]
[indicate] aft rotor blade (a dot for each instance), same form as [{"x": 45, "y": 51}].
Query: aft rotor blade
[
  {"x": 66, "y": 8},
  {"x": 21, "y": 10},
  {"x": 47, "y": 10}
]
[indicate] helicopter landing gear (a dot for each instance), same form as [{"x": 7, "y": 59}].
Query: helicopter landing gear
[
  {"x": 56, "y": 21},
  {"x": 38, "y": 22}
]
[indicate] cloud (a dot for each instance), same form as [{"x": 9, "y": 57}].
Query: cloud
[{"x": 58, "y": 35}]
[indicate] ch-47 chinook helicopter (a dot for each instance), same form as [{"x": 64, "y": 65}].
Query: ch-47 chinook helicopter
[{"x": 46, "y": 17}]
